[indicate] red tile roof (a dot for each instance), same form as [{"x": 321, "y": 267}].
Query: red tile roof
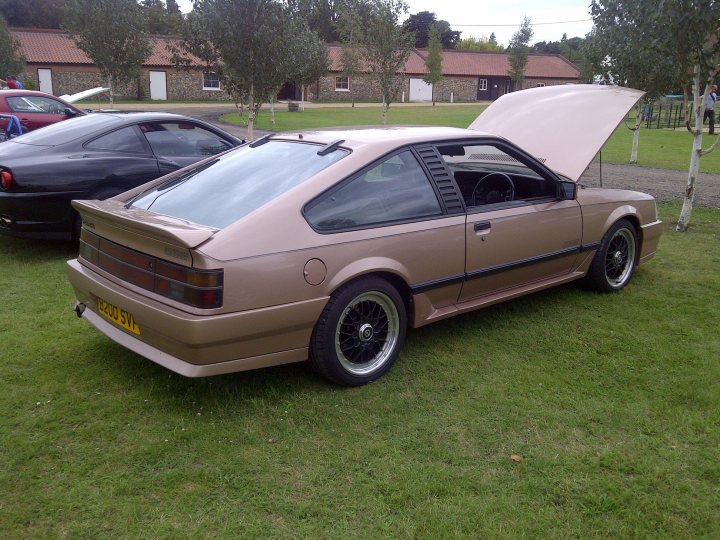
[
  {"x": 475, "y": 64},
  {"x": 42, "y": 46}
]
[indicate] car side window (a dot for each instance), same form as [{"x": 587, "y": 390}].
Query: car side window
[
  {"x": 397, "y": 189},
  {"x": 120, "y": 140},
  {"x": 35, "y": 104},
  {"x": 176, "y": 139},
  {"x": 488, "y": 176}
]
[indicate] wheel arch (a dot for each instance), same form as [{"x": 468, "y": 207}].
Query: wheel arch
[
  {"x": 628, "y": 213},
  {"x": 387, "y": 269}
]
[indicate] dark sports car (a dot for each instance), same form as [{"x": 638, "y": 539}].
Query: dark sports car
[{"x": 93, "y": 157}]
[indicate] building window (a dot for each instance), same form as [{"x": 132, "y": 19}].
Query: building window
[
  {"x": 210, "y": 81},
  {"x": 342, "y": 84},
  {"x": 482, "y": 85},
  {"x": 540, "y": 84}
]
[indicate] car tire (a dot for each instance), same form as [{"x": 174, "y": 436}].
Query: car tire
[
  {"x": 615, "y": 262},
  {"x": 360, "y": 332}
]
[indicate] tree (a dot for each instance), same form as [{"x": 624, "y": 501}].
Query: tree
[
  {"x": 11, "y": 60},
  {"x": 519, "y": 50},
  {"x": 479, "y": 44},
  {"x": 645, "y": 68},
  {"x": 253, "y": 45},
  {"x": 161, "y": 18},
  {"x": 112, "y": 34},
  {"x": 33, "y": 13},
  {"x": 421, "y": 23},
  {"x": 433, "y": 62},
  {"x": 309, "y": 59},
  {"x": 385, "y": 47},
  {"x": 686, "y": 33},
  {"x": 349, "y": 27}
]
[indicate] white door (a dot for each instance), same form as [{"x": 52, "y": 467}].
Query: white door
[
  {"x": 420, "y": 90},
  {"x": 45, "y": 80},
  {"x": 158, "y": 85}
]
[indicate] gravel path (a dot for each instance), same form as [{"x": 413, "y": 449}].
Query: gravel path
[{"x": 663, "y": 184}]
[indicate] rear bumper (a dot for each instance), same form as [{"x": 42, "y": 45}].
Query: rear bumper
[
  {"x": 650, "y": 240},
  {"x": 37, "y": 215},
  {"x": 199, "y": 345}
]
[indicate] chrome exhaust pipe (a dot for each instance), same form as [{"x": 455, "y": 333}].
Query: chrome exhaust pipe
[{"x": 79, "y": 309}]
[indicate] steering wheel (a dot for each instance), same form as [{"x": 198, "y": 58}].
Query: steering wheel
[{"x": 493, "y": 188}]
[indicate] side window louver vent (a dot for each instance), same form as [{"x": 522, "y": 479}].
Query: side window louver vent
[{"x": 445, "y": 183}]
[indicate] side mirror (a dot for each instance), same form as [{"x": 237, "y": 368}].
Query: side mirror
[
  {"x": 69, "y": 112},
  {"x": 567, "y": 191}
]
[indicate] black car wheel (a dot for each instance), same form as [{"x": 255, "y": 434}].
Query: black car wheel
[
  {"x": 615, "y": 261},
  {"x": 360, "y": 333}
]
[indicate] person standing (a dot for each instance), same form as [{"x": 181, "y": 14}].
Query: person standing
[
  {"x": 11, "y": 82},
  {"x": 710, "y": 108}
]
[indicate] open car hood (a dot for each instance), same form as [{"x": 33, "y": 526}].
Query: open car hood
[
  {"x": 563, "y": 126},
  {"x": 72, "y": 98}
]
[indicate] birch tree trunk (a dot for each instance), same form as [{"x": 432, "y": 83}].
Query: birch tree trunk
[
  {"x": 384, "y": 112},
  {"x": 698, "y": 109},
  {"x": 251, "y": 113},
  {"x": 272, "y": 111},
  {"x": 302, "y": 97},
  {"x": 636, "y": 134},
  {"x": 112, "y": 92}
]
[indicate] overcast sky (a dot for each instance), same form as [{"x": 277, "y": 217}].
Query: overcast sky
[{"x": 503, "y": 16}]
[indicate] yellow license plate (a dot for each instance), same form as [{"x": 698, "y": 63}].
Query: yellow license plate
[{"x": 118, "y": 316}]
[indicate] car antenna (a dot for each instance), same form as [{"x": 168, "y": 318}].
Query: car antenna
[
  {"x": 260, "y": 141},
  {"x": 330, "y": 147}
]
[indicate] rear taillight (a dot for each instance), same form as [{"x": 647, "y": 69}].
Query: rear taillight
[
  {"x": 197, "y": 288},
  {"x": 6, "y": 179}
]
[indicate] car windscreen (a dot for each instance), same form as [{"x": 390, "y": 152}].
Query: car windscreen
[
  {"x": 221, "y": 192},
  {"x": 68, "y": 130}
]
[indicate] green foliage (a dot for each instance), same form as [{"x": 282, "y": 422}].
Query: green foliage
[
  {"x": 612, "y": 401},
  {"x": 421, "y": 24},
  {"x": 433, "y": 62},
  {"x": 385, "y": 46},
  {"x": 254, "y": 46},
  {"x": 621, "y": 49},
  {"x": 519, "y": 50},
  {"x": 482, "y": 44},
  {"x": 33, "y": 13},
  {"x": 11, "y": 60},
  {"x": 112, "y": 33},
  {"x": 321, "y": 16},
  {"x": 161, "y": 18}
]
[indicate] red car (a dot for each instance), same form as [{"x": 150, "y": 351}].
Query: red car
[{"x": 35, "y": 109}]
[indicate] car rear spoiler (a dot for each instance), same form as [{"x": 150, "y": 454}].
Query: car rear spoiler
[{"x": 110, "y": 212}]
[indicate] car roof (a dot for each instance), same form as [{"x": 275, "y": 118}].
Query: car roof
[{"x": 20, "y": 92}]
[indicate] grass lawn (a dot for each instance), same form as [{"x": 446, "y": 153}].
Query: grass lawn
[
  {"x": 612, "y": 401},
  {"x": 658, "y": 147}
]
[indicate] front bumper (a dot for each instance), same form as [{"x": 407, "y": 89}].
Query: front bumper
[
  {"x": 199, "y": 345},
  {"x": 651, "y": 234}
]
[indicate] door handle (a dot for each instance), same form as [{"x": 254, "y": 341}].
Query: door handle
[{"x": 482, "y": 226}]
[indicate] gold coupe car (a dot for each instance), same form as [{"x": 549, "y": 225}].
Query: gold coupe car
[{"x": 326, "y": 245}]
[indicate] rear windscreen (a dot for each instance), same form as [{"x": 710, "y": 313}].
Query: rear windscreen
[{"x": 222, "y": 191}]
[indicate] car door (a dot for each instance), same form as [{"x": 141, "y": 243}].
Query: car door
[
  {"x": 177, "y": 144},
  {"x": 519, "y": 230},
  {"x": 36, "y": 111},
  {"x": 114, "y": 162}
]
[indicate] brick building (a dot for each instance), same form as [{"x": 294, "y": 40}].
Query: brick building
[{"x": 59, "y": 67}]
